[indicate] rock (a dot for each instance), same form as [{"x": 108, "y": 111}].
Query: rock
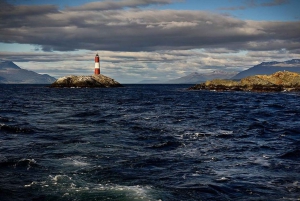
[
  {"x": 279, "y": 81},
  {"x": 219, "y": 82},
  {"x": 93, "y": 81}
]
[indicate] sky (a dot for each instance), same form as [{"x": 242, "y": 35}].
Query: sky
[{"x": 147, "y": 39}]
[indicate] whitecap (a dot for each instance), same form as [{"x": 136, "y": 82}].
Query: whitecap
[
  {"x": 136, "y": 192},
  {"x": 59, "y": 177},
  {"x": 75, "y": 161},
  {"x": 225, "y": 132},
  {"x": 66, "y": 186},
  {"x": 260, "y": 161},
  {"x": 223, "y": 179},
  {"x": 79, "y": 163}
]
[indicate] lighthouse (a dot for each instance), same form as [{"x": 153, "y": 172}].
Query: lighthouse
[{"x": 97, "y": 64}]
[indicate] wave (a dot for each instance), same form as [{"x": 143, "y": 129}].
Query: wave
[
  {"x": 294, "y": 154},
  {"x": 75, "y": 141},
  {"x": 24, "y": 162},
  {"x": 4, "y": 119},
  {"x": 168, "y": 145},
  {"x": 14, "y": 129},
  {"x": 64, "y": 187},
  {"x": 86, "y": 114}
]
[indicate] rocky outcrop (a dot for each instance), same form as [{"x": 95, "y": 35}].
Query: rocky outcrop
[
  {"x": 93, "y": 81},
  {"x": 279, "y": 81}
]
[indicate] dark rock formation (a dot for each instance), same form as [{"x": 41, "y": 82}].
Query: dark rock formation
[
  {"x": 279, "y": 81},
  {"x": 93, "y": 81}
]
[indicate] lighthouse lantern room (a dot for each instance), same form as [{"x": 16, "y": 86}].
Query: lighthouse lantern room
[{"x": 97, "y": 64}]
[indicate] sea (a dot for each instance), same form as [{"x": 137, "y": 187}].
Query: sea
[{"x": 147, "y": 142}]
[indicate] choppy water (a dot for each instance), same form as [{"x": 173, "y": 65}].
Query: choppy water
[{"x": 148, "y": 142}]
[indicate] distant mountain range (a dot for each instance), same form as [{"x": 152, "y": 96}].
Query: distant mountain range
[
  {"x": 151, "y": 82},
  {"x": 195, "y": 78},
  {"x": 267, "y": 68},
  {"x": 10, "y": 73}
]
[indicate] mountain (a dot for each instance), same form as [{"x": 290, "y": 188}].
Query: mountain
[
  {"x": 10, "y": 73},
  {"x": 195, "y": 77},
  {"x": 151, "y": 82},
  {"x": 266, "y": 68},
  {"x": 189, "y": 79}
]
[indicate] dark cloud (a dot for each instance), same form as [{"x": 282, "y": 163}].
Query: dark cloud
[
  {"x": 275, "y": 3},
  {"x": 140, "y": 30},
  {"x": 4, "y": 6},
  {"x": 253, "y": 4},
  {"x": 12, "y": 16},
  {"x": 10, "y": 10},
  {"x": 116, "y": 5}
]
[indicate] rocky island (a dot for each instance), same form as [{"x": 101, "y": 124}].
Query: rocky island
[
  {"x": 93, "y": 81},
  {"x": 279, "y": 81}
]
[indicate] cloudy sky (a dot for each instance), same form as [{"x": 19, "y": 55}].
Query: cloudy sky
[{"x": 147, "y": 39}]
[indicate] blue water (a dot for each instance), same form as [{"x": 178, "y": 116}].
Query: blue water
[{"x": 148, "y": 142}]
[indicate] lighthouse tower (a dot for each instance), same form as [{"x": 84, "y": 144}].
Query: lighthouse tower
[{"x": 97, "y": 64}]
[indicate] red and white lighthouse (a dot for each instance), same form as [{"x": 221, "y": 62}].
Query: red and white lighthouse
[{"x": 97, "y": 64}]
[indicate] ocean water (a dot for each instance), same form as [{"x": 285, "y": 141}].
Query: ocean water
[{"x": 148, "y": 142}]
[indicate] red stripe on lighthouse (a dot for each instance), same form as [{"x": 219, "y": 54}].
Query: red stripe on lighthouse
[{"x": 97, "y": 71}]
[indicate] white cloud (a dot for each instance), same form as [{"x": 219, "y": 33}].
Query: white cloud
[{"x": 131, "y": 67}]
